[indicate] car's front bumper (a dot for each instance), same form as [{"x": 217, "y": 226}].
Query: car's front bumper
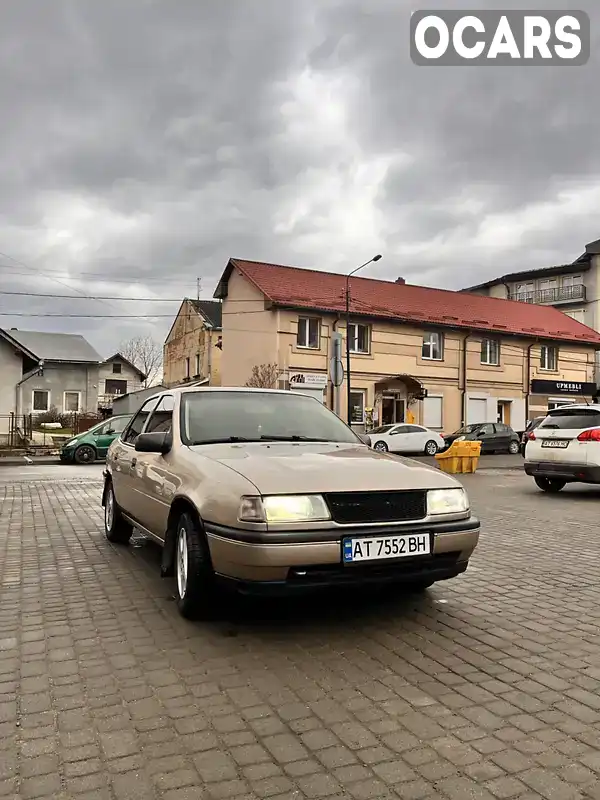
[
  {"x": 571, "y": 472},
  {"x": 67, "y": 456},
  {"x": 271, "y": 566}
]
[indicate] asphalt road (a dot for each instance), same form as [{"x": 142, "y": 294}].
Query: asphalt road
[{"x": 485, "y": 687}]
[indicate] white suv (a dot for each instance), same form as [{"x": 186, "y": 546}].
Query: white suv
[{"x": 565, "y": 448}]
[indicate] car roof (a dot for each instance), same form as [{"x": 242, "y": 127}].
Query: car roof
[
  {"x": 577, "y": 407},
  {"x": 181, "y": 390}
]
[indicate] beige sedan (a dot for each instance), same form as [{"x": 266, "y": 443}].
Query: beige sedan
[{"x": 269, "y": 491}]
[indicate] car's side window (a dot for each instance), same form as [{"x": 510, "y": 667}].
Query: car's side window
[
  {"x": 400, "y": 429},
  {"x": 161, "y": 419},
  {"x": 117, "y": 425},
  {"x": 486, "y": 430},
  {"x": 137, "y": 423}
]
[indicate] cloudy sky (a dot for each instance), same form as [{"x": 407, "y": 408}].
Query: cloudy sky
[{"x": 145, "y": 142}]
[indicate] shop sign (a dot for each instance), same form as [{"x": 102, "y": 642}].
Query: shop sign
[
  {"x": 316, "y": 380},
  {"x": 563, "y": 387}
]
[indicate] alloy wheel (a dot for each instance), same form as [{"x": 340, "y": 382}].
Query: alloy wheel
[{"x": 182, "y": 562}]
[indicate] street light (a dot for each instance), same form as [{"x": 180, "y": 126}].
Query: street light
[{"x": 348, "y": 276}]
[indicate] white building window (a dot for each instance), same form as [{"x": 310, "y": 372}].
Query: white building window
[
  {"x": 197, "y": 369},
  {"x": 71, "y": 402},
  {"x": 432, "y": 412},
  {"x": 433, "y": 346},
  {"x": 357, "y": 405},
  {"x": 549, "y": 358},
  {"x": 40, "y": 400},
  {"x": 187, "y": 368},
  {"x": 572, "y": 280},
  {"x": 490, "y": 352},
  {"x": 360, "y": 339},
  {"x": 309, "y": 332},
  {"x": 578, "y": 315}
]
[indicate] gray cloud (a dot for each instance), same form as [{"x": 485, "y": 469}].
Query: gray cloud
[{"x": 145, "y": 142}]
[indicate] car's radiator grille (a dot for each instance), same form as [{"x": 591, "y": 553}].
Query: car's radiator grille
[{"x": 349, "y": 508}]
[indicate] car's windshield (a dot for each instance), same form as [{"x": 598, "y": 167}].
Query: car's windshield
[
  {"x": 382, "y": 429},
  {"x": 258, "y": 416},
  {"x": 468, "y": 429}
]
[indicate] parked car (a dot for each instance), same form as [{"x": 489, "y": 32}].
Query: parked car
[
  {"x": 268, "y": 491},
  {"x": 531, "y": 426},
  {"x": 565, "y": 448},
  {"x": 495, "y": 437},
  {"x": 405, "y": 438},
  {"x": 93, "y": 444}
]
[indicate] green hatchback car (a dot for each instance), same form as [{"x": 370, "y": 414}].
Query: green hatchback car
[{"x": 91, "y": 445}]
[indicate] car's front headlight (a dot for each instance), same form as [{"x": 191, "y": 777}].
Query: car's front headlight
[
  {"x": 284, "y": 508},
  {"x": 447, "y": 501},
  {"x": 70, "y": 443}
]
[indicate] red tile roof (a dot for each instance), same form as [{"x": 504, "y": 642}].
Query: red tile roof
[{"x": 325, "y": 291}]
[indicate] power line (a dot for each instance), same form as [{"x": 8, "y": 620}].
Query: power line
[
  {"x": 103, "y": 277},
  {"x": 96, "y": 297},
  {"x": 87, "y": 316}
]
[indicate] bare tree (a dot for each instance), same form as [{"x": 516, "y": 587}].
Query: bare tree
[
  {"x": 264, "y": 376},
  {"x": 146, "y": 354}
]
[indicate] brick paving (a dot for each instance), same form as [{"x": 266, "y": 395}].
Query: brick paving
[{"x": 486, "y": 687}]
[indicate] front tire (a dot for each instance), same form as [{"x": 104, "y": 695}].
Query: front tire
[
  {"x": 85, "y": 454},
  {"x": 195, "y": 578},
  {"x": 513, "y": 448},
  {"x": 381, "y": 447},
  {"x": 550, "y": 485},
  {"x": 431, "y": 448},
  {"x": 116, "y": 529}
]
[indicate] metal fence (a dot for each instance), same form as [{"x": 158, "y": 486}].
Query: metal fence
[{"x": 28, "y": 431}]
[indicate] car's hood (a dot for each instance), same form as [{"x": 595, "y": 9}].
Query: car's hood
[{"x": 283, "y": 467}]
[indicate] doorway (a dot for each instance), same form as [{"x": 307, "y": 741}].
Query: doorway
[
  {"x": 392, "y": 411},
  {"x": 504, "y": 411}
]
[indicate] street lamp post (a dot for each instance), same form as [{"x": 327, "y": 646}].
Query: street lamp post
[{"x": 348, "y": 276}]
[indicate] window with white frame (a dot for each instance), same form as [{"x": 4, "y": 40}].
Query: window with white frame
[
  {"x": 40, "y": 400},
  {"x": 577, "y": 314},
  {"x": 187, "y": 368},
  {"x": 359, "y": 337},
  {"x": 572, "y": 280},
  {"x": 432, "y": 412},
  {"x": 433, "y": 346},
  {"x": 490, "y": 352},
  {"x": 71, "y": 402},
  {"x": 357, "y": 406},
  {"x": 197, "y": 368},
  {"x": 309, "y": 332},
  {"x": 549, "y": 357}
]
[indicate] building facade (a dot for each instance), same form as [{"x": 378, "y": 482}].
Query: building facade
[
  {"x": 117, "y": 377},
  {"x": 572, "y": 288},
  {"x": 435, "y": 357},
  {"x": 192, "y": 349}
]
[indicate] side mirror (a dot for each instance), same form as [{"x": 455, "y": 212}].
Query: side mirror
[
  {"x": 109, "y": 432},
  {"x": 365, "y": 438},
  {"x": 159, "y": 442}
]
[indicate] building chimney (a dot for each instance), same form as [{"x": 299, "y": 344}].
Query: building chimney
[{"x": 400, "y": 280}]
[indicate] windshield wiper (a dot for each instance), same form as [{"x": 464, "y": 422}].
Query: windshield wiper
[{"x": 295, "y": 438}]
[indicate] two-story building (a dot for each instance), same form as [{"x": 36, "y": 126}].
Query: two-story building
[
  {"x": 192, "y": 349},
  {"x": 573, "y": 288},
  {"x": 117, "y": 377},
  {"x": 443, "y": 358}
]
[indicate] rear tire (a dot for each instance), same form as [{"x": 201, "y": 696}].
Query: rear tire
[
  {"x": 195, "y": 578},
  {"x": 381, "y": 447},
  {"x": 550, "y": 485},
  {"x": 513, "y": 448},
  {"x": 116, "y": 529},
  {"x": 431, "y": 448}
]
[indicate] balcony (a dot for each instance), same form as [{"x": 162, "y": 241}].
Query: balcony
[{"x": 564, "y": 294}]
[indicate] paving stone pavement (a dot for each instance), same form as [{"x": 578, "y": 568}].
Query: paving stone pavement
[{"x": 485, "y": 687}]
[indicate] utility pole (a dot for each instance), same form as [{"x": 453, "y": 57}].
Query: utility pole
[{"x": 198, "y": 288}]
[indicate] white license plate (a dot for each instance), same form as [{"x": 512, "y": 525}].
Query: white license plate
[
  {"x": 559, "y": 443},
  {"x": 376, "y": 548}
]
